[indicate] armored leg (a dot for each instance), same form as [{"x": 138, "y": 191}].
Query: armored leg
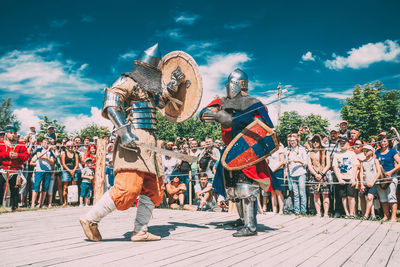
[{"x": 247, "y": 193}]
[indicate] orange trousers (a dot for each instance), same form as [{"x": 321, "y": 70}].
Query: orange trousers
[{"x": 128, "y": 185}]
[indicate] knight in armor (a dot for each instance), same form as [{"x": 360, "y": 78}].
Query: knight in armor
[
  {"x": 234, "y": 112},
  {"x": 130, "y": 104}
]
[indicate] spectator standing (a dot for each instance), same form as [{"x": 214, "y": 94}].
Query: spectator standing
[
  {"x": 13, "y": 155},
  {"x": 70, "y": 163},
  {"x": 208, "y": 157},
  {"x": 109, "y": 175},
  {"x": 370, "y": 171},
  {"x": 296, "y": 160},
  {"x": 51, "y": 134},
  {"x": 276, "y": 162},
  {"x": 345, "y": 168},
  {"x": 86, "y": 183},
  {"x": 203, "y": 192},
  {"x": 32, "y": 131},
  {"x": 354, "y": 136},
  {"x": 169, "y": 164},
  {"x": 44, "y": 160},
  {"x": 332, "y": 148},
  {"x": 195, "y": 152},
  {"x": 318, "y": 165},
  {"x": 390, "y": 162},
  {"x": 343, "y": 130},
  {"x": 183, "y": 167}
]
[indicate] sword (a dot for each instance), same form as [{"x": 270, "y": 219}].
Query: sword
[{"x": 166, "y": 152}]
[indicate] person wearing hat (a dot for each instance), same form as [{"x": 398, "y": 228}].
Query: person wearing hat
[
  {"x": 51, "y": 134},
  {"x": 343, "y": 130},
  {"x": 86, "y": 183},
  {"x": 13, "y": 155},
  {"x": 345, "y": 167},
  {"x": 370, "y": 171}
]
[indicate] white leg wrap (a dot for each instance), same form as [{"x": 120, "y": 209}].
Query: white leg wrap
[
  {"x": 101, "y": 209},
  {"x": 143, "y": 214}
]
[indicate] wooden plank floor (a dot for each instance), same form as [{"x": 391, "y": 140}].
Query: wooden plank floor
[{"x": 54, "y": 237}]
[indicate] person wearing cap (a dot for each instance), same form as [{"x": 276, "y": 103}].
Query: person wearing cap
[
  {"x": 390, "y": 162},
  {"x": 13, "y": 155},
  {"x": 345, "y": 167},
  {"x": 86, "y": 183},
  {"x": 343, "y": 130},
  {"x": 51, "y": 134},
  {"x": 370, "y": 171},
  {"x": 318, "y": 165}
]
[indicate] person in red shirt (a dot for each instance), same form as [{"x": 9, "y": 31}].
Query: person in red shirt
[{"x": 13, "y": 155}]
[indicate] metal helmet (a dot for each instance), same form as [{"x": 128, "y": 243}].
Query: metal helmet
[
  {"x": 151, "y": 56},
  {"x": 237, "y": 82}
]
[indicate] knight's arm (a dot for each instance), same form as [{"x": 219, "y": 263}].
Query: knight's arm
[
  {"x": 114, "y": 111},
  {"x": 177, "y": 77}
]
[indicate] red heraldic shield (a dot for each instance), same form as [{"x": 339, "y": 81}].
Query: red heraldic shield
[{"x": 256, "y": 142}]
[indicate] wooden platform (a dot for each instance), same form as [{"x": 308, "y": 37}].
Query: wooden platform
[{"x": 54, "y": 237}]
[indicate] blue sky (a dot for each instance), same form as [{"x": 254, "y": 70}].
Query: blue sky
[{"x": 57, "y": 56}]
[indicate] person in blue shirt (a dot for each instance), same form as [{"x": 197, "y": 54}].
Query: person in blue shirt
[{"x": 390, "y": 162}]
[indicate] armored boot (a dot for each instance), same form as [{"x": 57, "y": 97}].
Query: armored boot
[
  {"x": 247, "y": 192},
  {"x": 143, "y": 215},
  {"x": 99, "y": 211},
  {"x": 239, "y": 222},
  {"x": 249, "y": 228}
]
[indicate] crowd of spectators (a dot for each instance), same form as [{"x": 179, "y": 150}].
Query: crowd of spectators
[
  {"x": 53, "y": 166},
  {"x": 336, "y": 174}
]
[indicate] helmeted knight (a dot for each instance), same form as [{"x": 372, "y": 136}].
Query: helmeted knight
[
  {"x": 131, "y": 104},
  {"x": 246, "y": 130}
]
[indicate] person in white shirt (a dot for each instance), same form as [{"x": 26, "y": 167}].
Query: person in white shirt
[
  {"x": 345, "y": 167},
  {"x": 296, "y": 157}
]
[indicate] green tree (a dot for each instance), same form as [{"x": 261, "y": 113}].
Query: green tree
[
  {"x": 291, "y": 122},
  {"x": 169, "y": 131},
  {"x": 94, "y": 130},
  {"x": 59, "y": 129},
  {"x": 372, "y": 107},
  {"x": 6, "y": 114}
]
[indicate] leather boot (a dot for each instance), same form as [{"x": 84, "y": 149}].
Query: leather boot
[
  {"x": 144, "y": 236},
  {"x": 91, "y": 230}
]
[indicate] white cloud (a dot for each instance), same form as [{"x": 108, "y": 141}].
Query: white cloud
[
  {"x": 51, "y": 83},
  {"x": 128, "y": 55},
  {"x": 303, "y": 108},
  {"x": 28, "y": 118},
  {"x": 366, "y": 55},
  {"x": 185, "y": 18},
  {"x": 199, "y": 45},
  {"x": 58, "y": 23},
  {"x": 174, "y": 33},
  {"x": 216, "y": 71},
  {"x": 308, "y": 57},
  {"x": 237, "y": 26},
  {"x": 78, "y": 122},
  {"x": 87, "y": 18}
]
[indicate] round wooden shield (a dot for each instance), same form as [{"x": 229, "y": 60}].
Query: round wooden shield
[{"x": 190, "y": 90}]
